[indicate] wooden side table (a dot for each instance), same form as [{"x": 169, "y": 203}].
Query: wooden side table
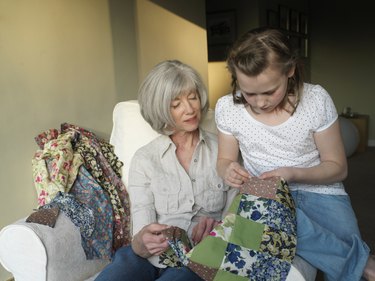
[{"x": 361, "y": 121}]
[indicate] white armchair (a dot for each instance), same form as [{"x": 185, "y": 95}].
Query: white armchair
[{"x": 34, "y": 252}]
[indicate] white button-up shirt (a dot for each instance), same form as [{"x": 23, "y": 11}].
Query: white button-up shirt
[{"x": 162, "y": 191}]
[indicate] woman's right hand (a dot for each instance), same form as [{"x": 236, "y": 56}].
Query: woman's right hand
[
  {"x": 149, "y": 241},
  {"x": 235, "y": 175}
]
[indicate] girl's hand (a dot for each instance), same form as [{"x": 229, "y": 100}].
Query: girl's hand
[
  {"x": 236, "y": 175},
  {"x": 149, "y": 241},
  {"x": 286, "y": 173},
  {"x": 203, "y": 228}
]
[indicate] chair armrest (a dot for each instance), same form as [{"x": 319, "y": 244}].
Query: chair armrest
[{"x": 33, "y": 251}]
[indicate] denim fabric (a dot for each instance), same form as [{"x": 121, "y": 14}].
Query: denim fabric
[
  {"x": 126, "y": 265},
  {"x": 328, "y": 235}
]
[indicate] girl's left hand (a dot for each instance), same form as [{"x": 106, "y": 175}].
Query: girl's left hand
[{"x": 286, "y": 173}]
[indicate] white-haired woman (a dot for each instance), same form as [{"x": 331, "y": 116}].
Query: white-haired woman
[{"x": 173, "y": 179}]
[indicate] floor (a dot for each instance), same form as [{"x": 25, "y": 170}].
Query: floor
[{"x": 360, "y": 185}]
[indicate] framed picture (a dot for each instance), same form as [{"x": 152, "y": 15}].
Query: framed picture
[
  {"x": 295, "y": 41},
  {"x": 284, "y": 17},
  {"x": 304, "y": 47},
  {"x": 303, "y": 23},
  {"x": 294, "y": 21},
  {"x": 221, "y": 28},
  {"x": 272, "y": 18}
]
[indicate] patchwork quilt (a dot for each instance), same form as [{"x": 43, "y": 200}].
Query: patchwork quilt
[{"x": 255, "y": 241}]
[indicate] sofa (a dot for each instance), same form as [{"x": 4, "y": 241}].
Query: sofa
[{"x": 35, "y": 252}]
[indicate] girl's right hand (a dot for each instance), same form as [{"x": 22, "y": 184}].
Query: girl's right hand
[
  {"x": 149, "y": 241},
  {"x": 236, "y": 175}
]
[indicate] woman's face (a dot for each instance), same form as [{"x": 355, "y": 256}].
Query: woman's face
[
  {"x": 264, "y": 92},
  {"x": 186, "y": 111}
]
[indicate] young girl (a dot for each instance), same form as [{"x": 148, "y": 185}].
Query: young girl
[{"x": 284, "y": 127}]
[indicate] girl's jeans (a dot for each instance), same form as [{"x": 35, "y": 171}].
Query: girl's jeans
[
  {"x": 126, "y": 265},
  {"x": 328, "y": 236}
]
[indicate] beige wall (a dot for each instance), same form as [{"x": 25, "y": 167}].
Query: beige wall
[
  {"x": 72, "y": 61},
  {"x": 219, "y": 81},
  {"x": 56, "y": 65},
  {"x": 166, "y": 35}
]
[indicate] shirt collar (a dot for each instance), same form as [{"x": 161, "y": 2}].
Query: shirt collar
[{"x": 167, "y": 144}]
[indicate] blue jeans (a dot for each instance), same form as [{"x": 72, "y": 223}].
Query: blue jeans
[
  {"x": 128, "y": 266},
  {"x": 328, "y": 235}
]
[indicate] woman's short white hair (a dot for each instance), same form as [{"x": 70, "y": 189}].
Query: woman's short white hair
[{"x": 163, "y": 84}]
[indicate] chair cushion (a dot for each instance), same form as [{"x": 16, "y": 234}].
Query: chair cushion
[{"x": 130, "y": 132}]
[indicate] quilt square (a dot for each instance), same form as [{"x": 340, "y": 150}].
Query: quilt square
[
  {"x": 246, "y": 233},
  {"x": 278, "y": 244},
  {"x": 283, "y": 196},
  {"x": 269, "y": 268},
  {"x": 238, "y": 260},
  {"x": 224, "y": 229},
  {"x": 205, "y": 272},
  {"x": 281, "y": 218},
  {"x": 210, "y": 252},
  {"x": 254, "y": 208},
  {"x": 262, "y": 188},
  {"x": 227, "y": 276}
]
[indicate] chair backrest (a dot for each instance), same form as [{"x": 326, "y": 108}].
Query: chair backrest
[{"x": 130, "y": 132}]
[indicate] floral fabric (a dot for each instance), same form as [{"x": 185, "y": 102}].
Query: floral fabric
[
  {"x": 106, "y": 174},
  {"x": 55, "y": 167},
  {"x": 76, "y": 157},
  {"x": 44, "y": 216},
  {"x": 179, "y": 244},
  {"x": 80, "y": 214},
  {"x": 255, "y": 241},
  {"x": 85, "y": 189}
]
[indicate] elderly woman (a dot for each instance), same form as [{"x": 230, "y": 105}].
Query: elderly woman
[{"x": 172, "y": 179}]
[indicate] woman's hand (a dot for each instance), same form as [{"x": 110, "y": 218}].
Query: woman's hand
[
  {"x": 149, "y": 241},
  {"x": 203, "y": 228}
]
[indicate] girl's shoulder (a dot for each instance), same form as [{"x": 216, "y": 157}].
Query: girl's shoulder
[
  {"x": 314, "y": 93},
  {"x": 226, "y": 103}
]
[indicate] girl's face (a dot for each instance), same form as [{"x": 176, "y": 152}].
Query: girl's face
[
  {"x": 186, "y": 111},
  {"x": 264, "y": 92}
]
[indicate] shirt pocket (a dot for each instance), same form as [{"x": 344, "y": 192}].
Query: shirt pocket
[
  {"x": 166, "y": 190},
  {"x": 214, "y": 197}
]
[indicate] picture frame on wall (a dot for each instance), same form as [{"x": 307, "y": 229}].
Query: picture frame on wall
[
  {"x": 284, "y": 17},
  {"x": 303, "y": 23},
  {"x": 272, "y": 18},
  {"x": 294, "y": 20},
  {"x": 221, "y": 28},
  {"x": 304, "y": 45}
]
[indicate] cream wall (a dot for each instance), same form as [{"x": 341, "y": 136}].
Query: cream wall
[
  {"x": 56, "y": 65},
  {"x": 163, "y": 34},
  {"x": 72, "y": 61},
  {"x": 219, "y": 81}
]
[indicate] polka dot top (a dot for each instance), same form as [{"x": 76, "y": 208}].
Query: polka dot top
[{"x": 265, "y": 148}]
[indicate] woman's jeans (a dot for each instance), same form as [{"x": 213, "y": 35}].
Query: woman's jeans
[
  {"x": 328, "y": 236},
  {"x": 127, "y": 266}
]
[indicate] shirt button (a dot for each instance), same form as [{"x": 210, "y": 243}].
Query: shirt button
[
  {"x": 193, "y": 180},
  {"x": 219, "y": 185},
  {"x": 195, "y": 160}
]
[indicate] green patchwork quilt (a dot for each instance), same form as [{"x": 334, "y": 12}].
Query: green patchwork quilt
[{"x": 255, "y": 241}]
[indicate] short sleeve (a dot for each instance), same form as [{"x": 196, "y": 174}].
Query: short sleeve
[
  {"x": 223, "y": 116},
  {"x": 325, "y": 110}
]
